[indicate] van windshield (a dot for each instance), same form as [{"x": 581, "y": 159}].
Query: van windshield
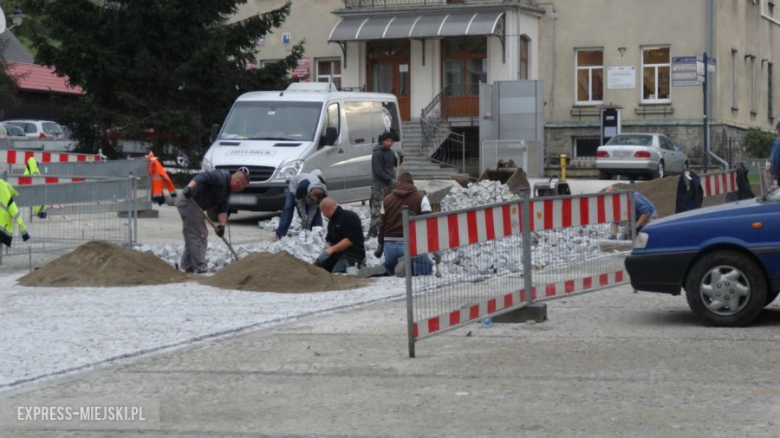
[{"x": 292, "y": 121}]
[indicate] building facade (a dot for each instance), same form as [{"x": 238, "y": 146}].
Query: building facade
[{"x": 588, "y": 54}]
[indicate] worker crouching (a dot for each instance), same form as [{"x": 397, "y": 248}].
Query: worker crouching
[
  {"x": 207, "y": 190},
  {"x": 345, "y": 242}
]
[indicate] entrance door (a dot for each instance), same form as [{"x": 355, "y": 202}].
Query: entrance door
[{"x": 389, "y": 72}]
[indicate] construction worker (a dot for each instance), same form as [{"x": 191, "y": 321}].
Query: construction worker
[
  {"x": 391, "y": 229},
  {"x": 383, "y": 169},
  {"x": 345, "y": 242},
  {"x": 31, "y": 168},
  {"x": 160, "y": 178},
  {"x": 644, "y": 212},
  {"x": 9, "y": 213},
  {"x": 304, "y": 194},
  {"x": 207, "y": 190}
]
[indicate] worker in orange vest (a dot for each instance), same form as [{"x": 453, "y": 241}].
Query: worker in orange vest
[{"x": 159, "y": 178}]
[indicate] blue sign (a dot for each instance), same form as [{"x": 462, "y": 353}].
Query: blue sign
[{"x": 286, "y": 38}]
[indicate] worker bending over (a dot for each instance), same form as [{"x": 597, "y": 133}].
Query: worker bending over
[
  {"x": 210, "y": 189},
  {"x": 644, "y": 212},
  {"x": 304, "y": 194},
  {"x": 345, "y": 242}
]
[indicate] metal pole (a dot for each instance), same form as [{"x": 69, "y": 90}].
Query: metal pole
[
  {"x": 135, "y": 209},
  {"x": 705, "y": 120},
  {"x": 408, "y": 274},
  {"x": 525, "y": 220}
]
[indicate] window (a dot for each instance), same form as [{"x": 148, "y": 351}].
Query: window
[
  {"x": 464, "y": 65},
  {"x": 734, "y": 79},
  {"x": 771, "y": 9},
  {"x": 525, "y": 44},
  {"x": 770, "y": 95},
  {"x": 267, "y": 62},
  {"x": 752, "y": 82},
  {"x": 329, "y": 70},
  {"x": 332, "y": 117},
  {"x": 590, "y": 76},
  {"x": 586, "y": 147},
  {"x": 656, "y": 68}
]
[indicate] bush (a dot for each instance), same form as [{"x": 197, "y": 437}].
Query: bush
[{"x": 758, "y": 143}]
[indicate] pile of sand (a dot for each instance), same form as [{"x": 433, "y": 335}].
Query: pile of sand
[
  {"x": 281, "y": 272},
  {"x": 102, "y": 264}
]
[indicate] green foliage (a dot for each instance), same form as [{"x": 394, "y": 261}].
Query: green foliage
[
  {"x": 758, "y": 143},
  {"x": 156, "y": 70},
  {"x": 8, "y": 90}
]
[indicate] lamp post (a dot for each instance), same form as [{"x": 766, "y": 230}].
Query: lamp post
[{"x": 16, "y": 18}]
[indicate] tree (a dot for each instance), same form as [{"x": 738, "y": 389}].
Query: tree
[
  {"x": 758, "y": 143},
  {"x": 8, "y": 86},
  {"x": 157, "y": 70}
]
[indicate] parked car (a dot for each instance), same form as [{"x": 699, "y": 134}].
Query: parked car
[
  {"x": 38, "y": 129},
  {"x": 636, "y": 155},
  {"x": 726, "y": 258},
  {"x": 13, "y": 136}
]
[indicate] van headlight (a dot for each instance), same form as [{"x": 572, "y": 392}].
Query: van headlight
[
  {"x": 205, "y": 164},
  {"x": 641, "y": 241},
  {"x": 289, "y": 170}
]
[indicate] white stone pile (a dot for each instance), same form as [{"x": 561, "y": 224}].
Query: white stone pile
[{"x": 477, "y": 194}]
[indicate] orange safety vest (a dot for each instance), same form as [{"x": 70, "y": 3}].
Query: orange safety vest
[{"x": 159, "y": 178}]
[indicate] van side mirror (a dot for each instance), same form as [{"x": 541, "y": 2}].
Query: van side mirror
[
  {"x": 330, "y": 137},
  {"x": 214, "y": 132}
]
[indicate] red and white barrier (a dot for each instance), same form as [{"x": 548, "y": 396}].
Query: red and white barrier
[
  {"x": 482, "y": 310},
  {"x": 21, "y": 157},
  {"x": 719, "y": 183},
  {"x": 486, "y": 224},
  {"x": 28, "y": 180}
]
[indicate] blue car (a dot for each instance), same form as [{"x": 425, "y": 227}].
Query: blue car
[{"x": 726, "y": 258}]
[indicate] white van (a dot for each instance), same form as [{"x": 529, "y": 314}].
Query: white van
[{"x": 309, "y": 126}]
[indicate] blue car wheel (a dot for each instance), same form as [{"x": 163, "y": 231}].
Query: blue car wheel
[{"x": 726, "y": 289}]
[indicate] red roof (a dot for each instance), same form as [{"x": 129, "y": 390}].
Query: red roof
[{"x": 35, "y": 77}]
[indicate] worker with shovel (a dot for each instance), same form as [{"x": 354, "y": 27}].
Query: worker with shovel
[{"x": 207, "y": 190}]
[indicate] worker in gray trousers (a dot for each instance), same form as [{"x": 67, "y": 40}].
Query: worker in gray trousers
[
  {"x": 210, "y": 189},
  {"x": 384, "y": 162}
]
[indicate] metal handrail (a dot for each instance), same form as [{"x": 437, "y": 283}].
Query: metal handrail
[{"x": 441, "y": 144}]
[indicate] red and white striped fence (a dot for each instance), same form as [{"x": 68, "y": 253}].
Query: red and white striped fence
[
  {"x": 443, "y": 303},
  {"x": 448, "y": 231},
  {"x": 719, "y": 183},
  {"x": 21, "y": 157},
  {"x": 28, "y": 180}
]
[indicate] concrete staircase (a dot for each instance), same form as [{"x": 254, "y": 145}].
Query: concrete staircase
[{"x": 416, "y": 161}]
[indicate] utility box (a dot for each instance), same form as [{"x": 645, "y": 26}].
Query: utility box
[{"x": 610, "y": 122}]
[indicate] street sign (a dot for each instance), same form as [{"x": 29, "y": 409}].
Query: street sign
[{"x": 688, "y": 71}]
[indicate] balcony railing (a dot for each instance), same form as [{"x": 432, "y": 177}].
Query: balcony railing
[{"x": 356, "y": 4}]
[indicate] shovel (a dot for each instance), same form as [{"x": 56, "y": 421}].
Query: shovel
[{"x": 215, "y": 227}]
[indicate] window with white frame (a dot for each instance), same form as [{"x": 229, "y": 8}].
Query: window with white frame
[
  {"x": 734, "y": 79},
  {"x": 589, "y": 85},
  {"x": 656, "y": 74},
  {"x": 329, "y": 70}
]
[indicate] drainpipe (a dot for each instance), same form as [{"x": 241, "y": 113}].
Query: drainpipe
[{"x": 554, "y": 66}]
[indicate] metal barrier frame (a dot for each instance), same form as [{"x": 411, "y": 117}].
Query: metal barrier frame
[{"x": 524, "y": 223}]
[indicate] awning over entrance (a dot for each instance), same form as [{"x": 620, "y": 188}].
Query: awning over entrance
[{"x": 368, "y": 28}]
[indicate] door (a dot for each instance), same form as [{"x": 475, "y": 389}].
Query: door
[
  {"x": 673, "y": 158},
  {"x": 331, "y": 159},
  {"x": 389, "y": 71}
]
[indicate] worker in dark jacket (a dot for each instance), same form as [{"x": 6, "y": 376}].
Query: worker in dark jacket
[
  {"x": 345, "y": 243},
  {"x": 304, "y": 194},
  {"x": 210, "y": 189},
  {"x": 383, "y": 169},
  {"x": 391, "y": 226}
]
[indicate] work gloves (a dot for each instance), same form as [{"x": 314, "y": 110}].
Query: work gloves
[
  {"x": 25, "y": 236},
  {"x": 187, "y": 192},
  {"x": 42, "y": 215},
  {"x": 220, "y": 230},
  {"x": 174, "y": 194},
  {"x": 379, "y": 251},
  {"x": 321, "y": 258}
]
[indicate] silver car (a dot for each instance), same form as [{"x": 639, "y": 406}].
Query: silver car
[{"x": 636, "y": 155}]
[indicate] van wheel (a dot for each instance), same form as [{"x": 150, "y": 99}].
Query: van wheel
[{"x": 726, "y": 289}]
